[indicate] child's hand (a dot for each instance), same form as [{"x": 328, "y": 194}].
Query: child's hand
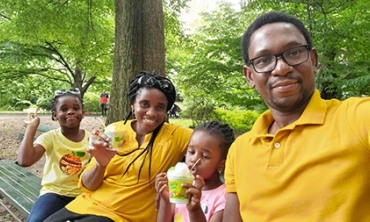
[
  {"x": 195, "y": 190},
  {"x": 33, "y": 119},
  {"x": 161, "y": 187}
]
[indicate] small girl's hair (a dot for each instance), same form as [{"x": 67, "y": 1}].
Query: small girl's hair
[
  {"x": 224, "y": 131},
  {"x": 63, "y": 92}
]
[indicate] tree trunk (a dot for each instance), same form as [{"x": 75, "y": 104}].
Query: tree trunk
[{"x": 139, "y": 45}]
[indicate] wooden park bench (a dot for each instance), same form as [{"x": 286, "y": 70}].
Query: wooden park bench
[
  {"x": 18, "y": 186},
  {"x": 41, "y": 128}
]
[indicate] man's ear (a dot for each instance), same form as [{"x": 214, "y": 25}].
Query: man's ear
[
  {"x": 314, "y": 59},
  {"x": 247, "y": 71}
]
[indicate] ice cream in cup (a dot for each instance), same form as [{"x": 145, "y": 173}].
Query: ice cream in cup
[
  {"x": 176, "y": 176},
  {"x": 92, "y": 138},
  {"x": 94, "y": 135},
  {"x": 116, "y": 135}
]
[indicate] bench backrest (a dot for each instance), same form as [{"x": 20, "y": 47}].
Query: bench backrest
[{"x": 20, "y": 187}]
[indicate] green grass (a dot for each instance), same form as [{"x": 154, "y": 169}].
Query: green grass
[{"x": 182, "y": 122}]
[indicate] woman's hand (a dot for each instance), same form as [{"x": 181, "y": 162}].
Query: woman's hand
[{"x": 101, "y": 149}]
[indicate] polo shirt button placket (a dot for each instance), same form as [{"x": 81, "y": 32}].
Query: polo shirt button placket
[{"x": 276, "y": 158}]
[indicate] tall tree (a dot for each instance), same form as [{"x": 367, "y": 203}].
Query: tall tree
[
  {"x": 67, "y": 41},
  {"x": 209, "y": 64},
  {"x": 139, "y": 45}
]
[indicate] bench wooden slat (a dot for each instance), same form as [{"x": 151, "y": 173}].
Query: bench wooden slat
[
  {"x": 21, "y": 136},
  {"x": 20, "y": 187},
  {"x": 23, "y": 177},
  {"x": 45, "y": 128},
  {"x": 14, "y": 198},
  {"x": 42, "y": 128}
]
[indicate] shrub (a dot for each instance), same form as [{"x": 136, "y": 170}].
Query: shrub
[
  {"x": 22, "y": 104},
  {"x": 240, "y": 120},
  {"x": 91, "y": 103},
  {"x": 199, "y": 110},
  {"x": 44, "y": 103}
]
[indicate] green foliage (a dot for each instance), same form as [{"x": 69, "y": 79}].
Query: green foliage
[
  {"x": 44, "y": 102},
  {"x": 22, "y": 104},
  {"x": 69, "y": 41},
  {"x": 29, "y": 88},
  {"x": 182, "y": 122},
  {"x": 208, "y": 63},
  {"x": 199, "y": 109},
  {"x": 239, "y": 120},
  {"x": 92, "y": 103}
]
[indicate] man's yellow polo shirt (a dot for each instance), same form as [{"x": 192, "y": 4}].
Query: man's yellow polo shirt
[{"x": 315, "y": 169}]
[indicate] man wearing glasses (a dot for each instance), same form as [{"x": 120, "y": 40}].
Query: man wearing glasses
[{"x": 305, "y": 159}]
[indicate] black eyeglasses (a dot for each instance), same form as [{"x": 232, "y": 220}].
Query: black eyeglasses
[
  {"x": 165, "y": 84},
  {"x": 64, "y": 91},
  {"x": 292, "y": 57}
]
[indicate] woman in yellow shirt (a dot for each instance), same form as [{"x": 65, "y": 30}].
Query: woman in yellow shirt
[{"x": 119, "y": 185}]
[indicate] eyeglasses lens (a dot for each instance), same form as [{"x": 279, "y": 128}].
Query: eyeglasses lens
[{"x": 292, "y": 57}]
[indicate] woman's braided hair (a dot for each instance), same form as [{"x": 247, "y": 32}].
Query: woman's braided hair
[
  {"x": 223, "y": 131},
  {"x": 134, "y": 88}
]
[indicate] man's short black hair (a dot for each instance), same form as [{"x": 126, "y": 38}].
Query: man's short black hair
[{"x": 268, "y": 18}]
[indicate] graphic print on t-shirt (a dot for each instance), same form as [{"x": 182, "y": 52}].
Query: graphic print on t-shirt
[
  {"x": 204, "y": 208},
  {"x": 71, "y": 164}
]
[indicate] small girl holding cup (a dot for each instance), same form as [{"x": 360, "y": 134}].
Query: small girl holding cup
[
  {"x": 206, "y": 156},
  {"x": 65, "y": 152}
]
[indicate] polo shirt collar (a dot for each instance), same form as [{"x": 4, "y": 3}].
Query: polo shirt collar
[{"x": 314, "y": 113}]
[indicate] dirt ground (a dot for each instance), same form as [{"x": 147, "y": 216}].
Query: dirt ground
[{"x": 10, "y": 127}]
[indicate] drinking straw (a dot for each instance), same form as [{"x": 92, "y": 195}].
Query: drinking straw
[
  {"x": 194, "y": 164},
  {"x": 102, "y": 122}
]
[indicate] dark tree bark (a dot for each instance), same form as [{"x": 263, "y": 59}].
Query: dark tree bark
[{"x": 139, "y": 45}]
